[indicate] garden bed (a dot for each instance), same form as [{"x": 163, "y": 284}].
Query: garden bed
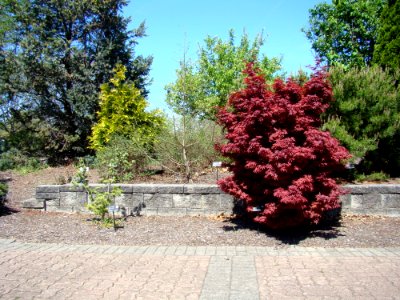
[{"x": 36, "y": 226}]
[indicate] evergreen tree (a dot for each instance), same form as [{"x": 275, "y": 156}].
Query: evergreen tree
[
  {"x": 365, "y": 117},
  {"x": 122, "y": 113},
  {"x": 387, "y": 48},
  {"x": 59, "y": 55}
]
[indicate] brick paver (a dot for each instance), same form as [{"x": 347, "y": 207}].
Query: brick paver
[
  {"x": 52, "y": 271},
  {"x": 313, "y": 277}
]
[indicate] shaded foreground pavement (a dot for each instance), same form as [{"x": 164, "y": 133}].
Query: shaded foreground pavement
[{"x": 55, "y": 271}]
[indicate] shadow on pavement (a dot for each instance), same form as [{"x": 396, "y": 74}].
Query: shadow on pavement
[{"x": 326, "y": 230}]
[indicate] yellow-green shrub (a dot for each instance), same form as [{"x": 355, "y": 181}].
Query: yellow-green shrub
[{"x": 122, "y": 112}]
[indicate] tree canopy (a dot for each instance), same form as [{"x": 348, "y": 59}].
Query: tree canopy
[
  {"x": 387, "y": 48},
  {"x": 204, "y": 85},
  {"x": 345, "y": 31},
  {"x": 55, "y": 55}
]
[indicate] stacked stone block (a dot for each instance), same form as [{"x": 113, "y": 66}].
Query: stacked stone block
[
  {"x": 143, "y": 199},
  {"x": 197, "y": 199},
  {"x": 372, "y": 199}
]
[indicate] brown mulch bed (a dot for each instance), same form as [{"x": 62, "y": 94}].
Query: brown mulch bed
[{"x": 36, "y": 226}]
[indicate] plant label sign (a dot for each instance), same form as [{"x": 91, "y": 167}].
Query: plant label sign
[
  {"x": 113, "y": 208},
  {"x": 217, "y": 164}
]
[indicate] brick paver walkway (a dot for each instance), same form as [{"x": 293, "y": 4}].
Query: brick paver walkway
[{"x": 52, "y": 271}]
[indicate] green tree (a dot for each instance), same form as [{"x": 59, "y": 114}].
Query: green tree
[
  {"x": 57, "y": 54},
  {"x": 345, "y": 31},
  {"x": 187, "y": 143},
  {"x": 123, "y": 112},
  {"x": 183, "y": 95},
  {"x": 217, "y": 72},
  {"x": 365, "y": 117},
  {"x": 387, "y": 48},
  {"x": 10, "y": 82}
]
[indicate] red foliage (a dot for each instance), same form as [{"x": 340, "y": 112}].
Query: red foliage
[{"x": 282, "y": 163}]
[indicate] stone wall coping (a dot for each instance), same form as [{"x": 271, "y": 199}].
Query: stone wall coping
[
  {"x": 375, "y": 188},
  {"x": 195, "y": 185},
  {"x": 198, "y": 188},
  {"x": 137, "y": 188}
]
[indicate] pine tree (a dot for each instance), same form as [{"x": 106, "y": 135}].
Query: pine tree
[{"x": 365, "y": 117}]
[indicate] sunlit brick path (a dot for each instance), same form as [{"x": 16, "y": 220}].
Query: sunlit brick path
[{"x": 53, "y": 271}]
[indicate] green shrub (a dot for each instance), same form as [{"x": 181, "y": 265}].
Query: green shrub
[
  {"x": 3, "y": 189},
  {"x": 377, "y": 176},
  {"x": 122, "y": 159},
  {"x": 16, "y": 160},
  {"x": 187, "y": 145},
  {"x": 100, "y": 201},
  {"x": 32, "y": 165},
  {"x": 81, "y": 176},
  {"x": 6, "y": 161},
  {"x": 3, "y": 193}
]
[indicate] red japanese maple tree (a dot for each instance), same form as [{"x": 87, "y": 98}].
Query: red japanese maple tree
[{"x": 282, "y": 162}]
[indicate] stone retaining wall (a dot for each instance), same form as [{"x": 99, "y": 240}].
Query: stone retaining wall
[
  {"x": 194, "y": 199},
  {"x": 372, "y": 199},
  {"x": 144, "y": 199}
]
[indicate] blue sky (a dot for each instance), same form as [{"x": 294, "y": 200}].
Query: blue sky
[{"x": 173, "y": 25}]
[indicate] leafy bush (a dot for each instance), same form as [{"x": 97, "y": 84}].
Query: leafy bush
[
  {"x": 3, "y": 192},
  {"x": 6, "y": 161},
  {"x": 81, "y": 176},
  {"x": 282, "y": 163},
  {"x": 377, "y": 176},
  {"x": 15, "y": 159},
  {"x": 121, "y": 159},
  {"x": 187, "y": 145}
]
